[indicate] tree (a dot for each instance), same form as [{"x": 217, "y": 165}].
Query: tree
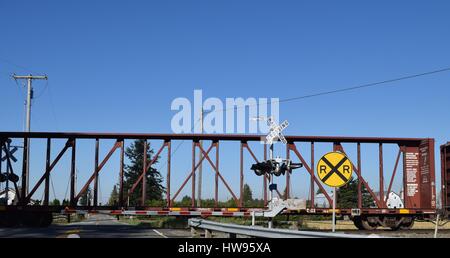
[
  {"x": 85, "y": 199},
  {"x": 55, "y": 202},
  {"x": 154, "y": 188},
  {"x": 247, "y": 195},
  {"x": 347, "y": 195},
  {"x": 186, "y": 201},
  {"x": 114, "y": 197}
]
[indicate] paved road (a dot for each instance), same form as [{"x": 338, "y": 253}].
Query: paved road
[
  {"x": 412, "y": 233},
  {"x": 95, "y": 226},
  {"x": 104, "y": 226}
]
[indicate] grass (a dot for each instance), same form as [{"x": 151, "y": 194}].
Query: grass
[{"x": 62, "y": 219}]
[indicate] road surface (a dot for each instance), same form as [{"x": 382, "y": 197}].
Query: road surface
[
  {"x": 96, "y": 226},
  {"x": 105, "y": 226}
]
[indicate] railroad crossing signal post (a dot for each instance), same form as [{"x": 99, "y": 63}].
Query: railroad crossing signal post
[
  {"x": 277, "y": 166},
  {"x": 334, "y": 169},
  {"x": 29, "y": 79},
  {"x": 270, "y": 224},
  {"x": 274, "y": 134},
  {"x": 333, "y": 226}
]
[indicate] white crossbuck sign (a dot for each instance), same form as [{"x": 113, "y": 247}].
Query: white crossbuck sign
[
  {"x": 9, "y": 153},
  {"x": 275, "y": 131}
]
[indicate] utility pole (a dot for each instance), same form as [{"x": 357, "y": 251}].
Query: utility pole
[
  {"x": 200, "y": 167},
  {"x": 29, "y": 79}
]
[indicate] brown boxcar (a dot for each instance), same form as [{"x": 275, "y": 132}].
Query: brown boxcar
[{"x": 445, "y": 177}]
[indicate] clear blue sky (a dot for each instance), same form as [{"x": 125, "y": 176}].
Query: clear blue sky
[{"x": 115, "y": 66}]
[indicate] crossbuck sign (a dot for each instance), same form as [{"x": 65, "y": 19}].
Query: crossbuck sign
[
  {"x": 275, "y": 131},
  {"x": 334, "y": 169}
]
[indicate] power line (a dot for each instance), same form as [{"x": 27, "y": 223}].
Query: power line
[
  {"x": 327, "y": 93},
  {"x": 24, "y": 68},
  {"x": 67, "y": 189},
  {"x": 344, "y": 89},
  {"x": 41, "y": 92},
  {"x": 52, "y": 107},
  {"x": 100, "y": 191},
  {"x": 163, "y": 165},
  {"x": 366, "y": 85},
  {"x": 53, "y": 187}
]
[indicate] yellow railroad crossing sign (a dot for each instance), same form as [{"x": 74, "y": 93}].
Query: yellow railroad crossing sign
[{"x": 334, "y": 169}]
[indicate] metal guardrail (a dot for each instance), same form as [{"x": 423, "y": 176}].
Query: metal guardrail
[{"x": 261, "y": 232}]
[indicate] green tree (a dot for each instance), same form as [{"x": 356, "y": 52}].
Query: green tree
[
  {"x": 114, "y": 197},
  {"x": 230, "y": 203},
  {"x": 347, "y": 195},
  {"x": 154, "y": 188},
  {"x": 257, "y": 203},
  {"x": 247, "y": 195},
  {"x": 85, "y": 199},
  {"x": 208, "y": 203},
  {"x": 55, "y": 202},
  {"x": 186, "y": 201}
]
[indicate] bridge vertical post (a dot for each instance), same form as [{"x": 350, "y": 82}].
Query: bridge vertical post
[
  {"x": 47, "y": 178},
  {"x": 194, "y": 144},
  {"x": 380, "y": 163},
  {"x": 121, "y": 203},
  {"x": 241, "y": 178},
  {"x": 1, "y": 156},
  {"x": 72, "y": 174},
  {"x": 97, "y": 146},
  {"x": 144, "y": 172},
  {"x": 216, "y": 182},
  {"x": 169, "y": 204},
  {"x": 360, "y": 204},
  {"x": 312, "y": 185}
]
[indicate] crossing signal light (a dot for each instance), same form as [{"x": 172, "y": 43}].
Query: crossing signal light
[
  {"x": 262, "y": 168},
  {"x": 281, "y": 169},
  {"x": 296, "y": 165},
  {"x": 3, "y": 177},
  {"x": 277, "y": 167},
  {"x": 11, "y": 177}
]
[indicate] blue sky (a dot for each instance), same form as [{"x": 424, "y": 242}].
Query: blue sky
[{"x": 115, "y": 66}]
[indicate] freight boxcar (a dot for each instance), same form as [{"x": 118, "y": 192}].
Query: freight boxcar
[
  {"x": 414, "y": 164},
  {"x": 445, "y": 178}
]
